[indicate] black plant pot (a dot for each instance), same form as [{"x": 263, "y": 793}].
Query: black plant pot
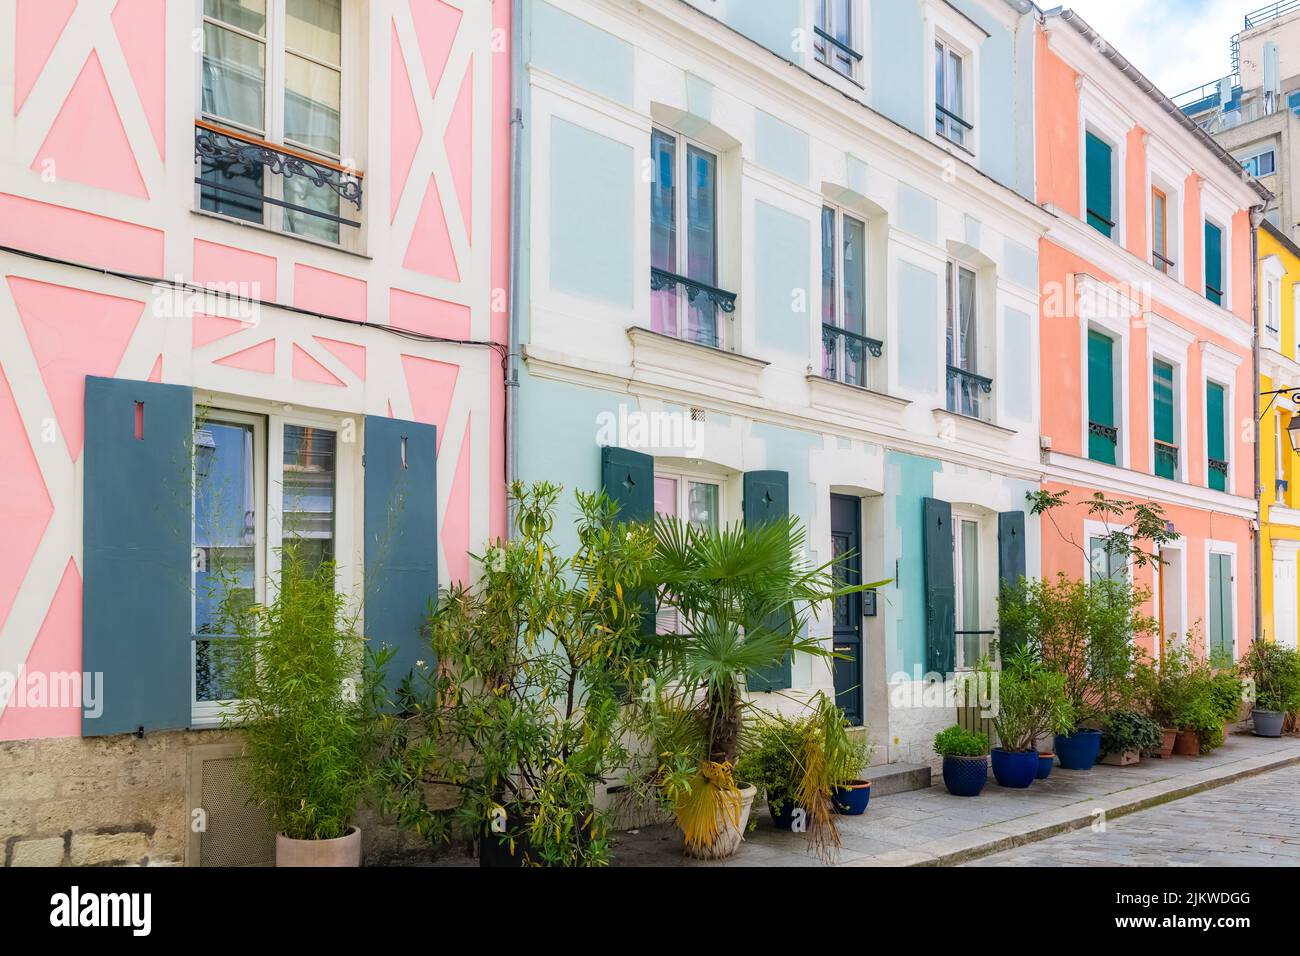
[{"x": 494, "y": 849}]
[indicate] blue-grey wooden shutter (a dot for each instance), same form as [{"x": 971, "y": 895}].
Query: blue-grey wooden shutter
[
  {"x": 1011, "y": 564},
  {"x": 940, "y": 588},
  {"x": 401, "y": 539},
  {"x": 136, "y": 553},
  {"x": 766, "y": 499},
  {"x": 628, "y": 478}
]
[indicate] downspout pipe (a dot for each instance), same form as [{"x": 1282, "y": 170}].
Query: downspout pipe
[
  {"x": 1257, "y": 529},
  {"x": 517, "y": 93}
]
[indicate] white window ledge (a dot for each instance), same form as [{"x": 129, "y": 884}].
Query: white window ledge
[{"x": 665, "y": 354}]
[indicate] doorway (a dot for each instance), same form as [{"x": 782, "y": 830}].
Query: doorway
[{"x": 846, "y": 539}]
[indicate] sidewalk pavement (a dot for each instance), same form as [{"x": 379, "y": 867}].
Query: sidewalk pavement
[{"x": 933, "y": 828}]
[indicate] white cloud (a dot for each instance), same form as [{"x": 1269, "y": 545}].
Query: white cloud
[{"x": 1178, "y": 44}]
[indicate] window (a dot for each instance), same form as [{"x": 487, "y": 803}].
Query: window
[
  {"x": 1216, "y": 428},
  {"x": 972, "y": 639},
  {"x": 1214, "y": 263},
  {"x": 1272, "y": 309},
  {"x": 700, "y": 501},
  {"x": 1104, "y": 562},
  {"x": 1099, "y": 174},
  {"x": 242, "y": 461},
  {"x": 1222, "y": 624},
  {"x": 273, "y": 83},
  {"x": 1293, "y": 102},
  {"x": 846, "y": 348},
  {"x": 1263, "y": 163},
  {"x": 950, "y": 112},
  {"x": 1163, "y": 419},
  {"x": 1281, "y": 484},
  {"x": 968, "y": 391},
  {"x": 833, "y": 36},
  {"x": 685, "y": 300},
  {"x": 1160, "y": 231},
  {"x": 1103, "y": 428}
]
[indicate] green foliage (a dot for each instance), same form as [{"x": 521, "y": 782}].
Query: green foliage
[
  {"x": 297, "y": 670},
  {"x": 959, "y": 742},
  {"x": 1032, "y": 701},
  {"x": 1085, "y": 631},
  {"x": 1275, "y": 671},
  {"x": 1189, "y": 696},
  {"x": 1128, "y": 730},
  {"x": 1130, "y": 524},
  {"x": 526, "y": 710}
]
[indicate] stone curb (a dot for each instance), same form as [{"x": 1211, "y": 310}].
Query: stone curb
[{"x": 963, "y": 847}]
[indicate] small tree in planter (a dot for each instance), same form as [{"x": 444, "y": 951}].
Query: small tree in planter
[
  {"x": 295, "y": 668},
  {"x": 1275, "y": 671},
  {"x": 527, "y": 711},
  {"x": 1032, "y": 702},
  {"x": 743, "y": 597},
  {"x": 1186, "y": 700},
  {"x": 800, "y": 762}
]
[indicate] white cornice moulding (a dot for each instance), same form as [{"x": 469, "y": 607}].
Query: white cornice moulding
[
  {"x": 654, "y": 351},
  {"x": 1277, "y": 514},
  {"x": 848, "y": 399},
  {"x": 1084, "y": 472}
]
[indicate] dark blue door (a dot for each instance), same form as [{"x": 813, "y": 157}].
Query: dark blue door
[{"x": 846, "y": 539}]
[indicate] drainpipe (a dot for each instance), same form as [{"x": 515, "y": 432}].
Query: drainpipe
[
  {"x": 517, "y": 92},
  {"x": 1257, "y": 530}
]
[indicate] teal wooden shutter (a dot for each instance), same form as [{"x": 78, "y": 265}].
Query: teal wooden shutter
[
  {"x": 940, "y": 587},
  {"x": 767, "y": 498},
  {"x": 1215, "y": 428},
  {"x": 1098, "y": 162},
  {"x": 1101, "y": 398},
  {"x": 628, "y": 479},
  {"x": 1214, "y": 263},
  {"x": 136, "y": 553},
  {"x": 401, "y": 539},
  {"x": 1162, "y": 391},
  {"x": 1221, "y": 606},
  {"x": 1011, "y": 563}
]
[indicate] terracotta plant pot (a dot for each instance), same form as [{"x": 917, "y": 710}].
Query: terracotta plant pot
[
  {"x": 1188, "y": 744},
  {"x": 342, "y": 851},
  {"x": 1166, "y": 749},
  {"x": 731, "y": 835}
]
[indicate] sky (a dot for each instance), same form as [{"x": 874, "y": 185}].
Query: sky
[{"x": 1178, "y": 44}]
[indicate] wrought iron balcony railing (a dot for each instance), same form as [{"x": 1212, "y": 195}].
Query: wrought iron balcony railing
[
  {"x": 1166, "y": 459},
  {"x": 231, "y": 174},
  {"x": 703, "y": 304},
  {"x": 951, "y": 126},
  {"x": 1219, "y": 465},
  {"x": 968, "y": 394},
  {"x": 1108, "y": 432},
  {"x": 844, "y": 355},
  {"x": 1163, "y": 264}
]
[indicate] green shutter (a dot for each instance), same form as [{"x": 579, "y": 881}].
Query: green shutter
[
  {"x": 1215, "y": 428},
  {"x": 1213, "y": 263},
  {"x": 1221, "y": 606},
  {"x": 1011, "y": 563},
  {"x": 1100, "y": 214},
  {"x": 767, "y": 498},
  {"x": 137, "y": 553},
  {"x": 628, "y": 478},
  {"x": 1162, "y": 393},
  {"x": 401, "y": 538},
  {"x": 940, "y": 587},
  {"x": 1101, "y": 396}
]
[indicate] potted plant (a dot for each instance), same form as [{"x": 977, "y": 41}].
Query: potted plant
[
  {"x": 1085, "y": 631},
  {"x": 1275, "y": 671},
  {"x": 293, "y": 668},
  {"x": 1031, "y": 703},
  {"x": 527, "y": 709},
  {"x": 743, "y": 597},
  {"x": 1126, "y": 735},
  {"x": 965, "y": 756},
  {"x": 1186, "y": 700},
  {"x": 1146, "y": 699}
]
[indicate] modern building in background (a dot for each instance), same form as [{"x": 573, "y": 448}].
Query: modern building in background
[
  {"x": 782, "y": 257},
  {"x": 250, "y": 250},
  {"x": 1147, "y": 335}
]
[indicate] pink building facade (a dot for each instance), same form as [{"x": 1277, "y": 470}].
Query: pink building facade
[
  {"x": 263, "y": 241},
  {"x": 1146, "y": 336}
]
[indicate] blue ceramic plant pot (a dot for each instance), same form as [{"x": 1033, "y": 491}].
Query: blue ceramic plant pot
[
  {"x": 852, "y": 799},
  {"x": 783, "y": 812},
  {"x": 965, "y": 776},
  {"x": 1079, "y": 750},
  {"x": 1016, "y": 769},
  {"x": 1045, "y": 763}
]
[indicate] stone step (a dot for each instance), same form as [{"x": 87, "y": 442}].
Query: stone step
[{"x": 887, "y": 778}]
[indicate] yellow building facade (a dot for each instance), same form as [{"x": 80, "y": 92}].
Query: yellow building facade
[{"x": 1279, "y": 505}]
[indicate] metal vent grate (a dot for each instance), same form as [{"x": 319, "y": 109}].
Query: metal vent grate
[
  {"x": 697, "y": 415},
  {"x": 236, "y": 832}
]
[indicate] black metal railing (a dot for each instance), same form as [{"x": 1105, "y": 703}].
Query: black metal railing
[
  {"x": 227, "y": 158},
  {"x": 845, "y": 355},
  {"x": 1162, "y": 263},
  {"x": 1108, "y": 432},
  {"x": 1095, "y": 217},
  {"x": 1166, "y": 459},
  {"x": 838, "y": 44},
  {"x": 1213, "y": 294},
  {"x": 705, "y": 302},
  {"x": 967, "y": 393},
  {"x": 946, "y": 118},
  {"x": 1219, "y": 465}
]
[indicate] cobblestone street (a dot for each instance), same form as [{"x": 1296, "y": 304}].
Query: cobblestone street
[{"x": 1254, "y": 822}]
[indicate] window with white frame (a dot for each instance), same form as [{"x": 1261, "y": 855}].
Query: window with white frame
[
  {"x": 270, "y": 139},
  {"x": 1260, "y": 162},
  {"x": 1101, "y": 183},
  {"x": 952, "y": 114},
  {"x": 835, "y": 35},
  {"x": 695, "y": 499},
  {"x": 1216, "y": 262},
  {"x": 974, "y": 632},
  {"x": 1271, "y": 273},
  {"x": 261, "y": 483},
  {"x": 1105, "y": 562},
  {"x": 969, "y": 392},
  {"x": 847, "y": 350},
  {"x": 686, "y": 302}
]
